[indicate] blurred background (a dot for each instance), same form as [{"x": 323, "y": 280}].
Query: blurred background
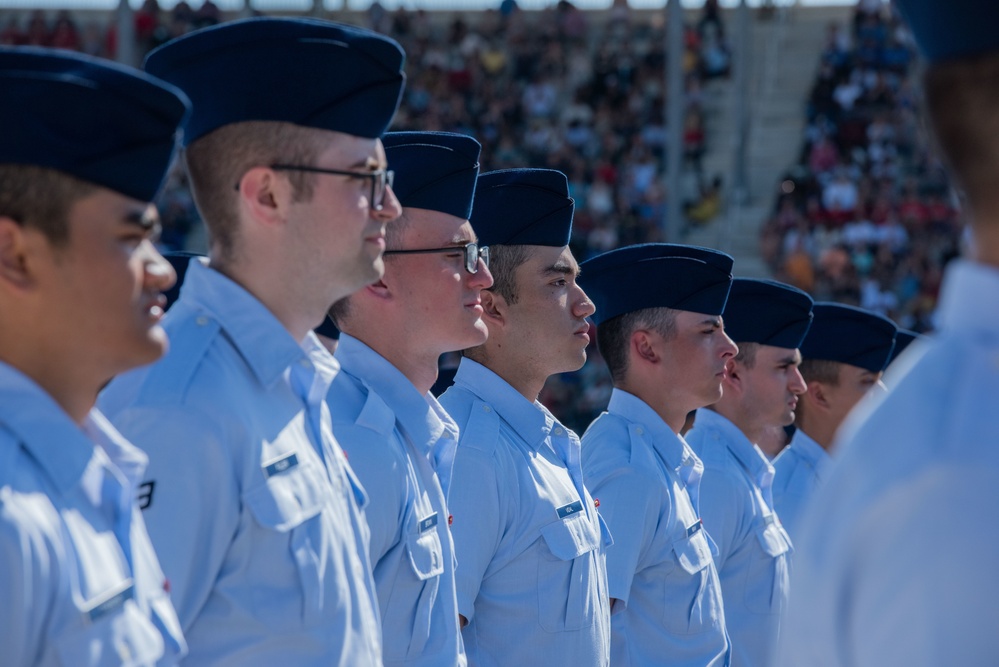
[{"x": 785, "y": 134}]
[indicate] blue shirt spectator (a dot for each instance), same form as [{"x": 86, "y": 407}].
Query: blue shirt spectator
[
  {"x": 393, "y": 436},
  {"x": 88, "y": 589},
  {"x": 753, "y": 549},
  {"x": 531, "y": 546},
  {"x": 648, "y": 481},
  {"x": 247, "y": 484}
]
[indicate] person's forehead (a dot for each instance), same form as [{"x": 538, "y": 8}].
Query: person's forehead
[
  {"x": 442, "y": 229},
  {"x": 339, "y": 150},
  {"x": 779, "y": 353}
]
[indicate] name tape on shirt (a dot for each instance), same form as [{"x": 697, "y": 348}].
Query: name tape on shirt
[
  {"x": 694, "y": 528},
  {"x": 282, "y": 464},
  {"x": 568, "y": 510},
  {"x": 428, "y": 523},
  {"x": 111, "y": 604}
]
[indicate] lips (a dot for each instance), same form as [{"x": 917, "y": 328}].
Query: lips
[{"x": 156, "y": 306}]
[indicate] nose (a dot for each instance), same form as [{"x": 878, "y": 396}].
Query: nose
[
  {"x": 797, "y": 384},
  {"x": 391, "y": 208},
  {"x": 159, "y": 276},
  {"x": 584, "y": 307},
  {"x": 481, "y": 279},
  {"x": 728, "y": 347}
]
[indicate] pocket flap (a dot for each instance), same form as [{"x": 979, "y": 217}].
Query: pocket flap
[
  {"x": 289, "y": 497},
  {"x": 772, "y": 540},
  {"x": 571, "y": 537},
  {"x": 426, "y": 555},
  {"x": 693, "y": 553}
]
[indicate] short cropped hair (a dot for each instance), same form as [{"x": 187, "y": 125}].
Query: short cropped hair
[
  {"x": 614, "y": 335},
  {"x": 217, "y": 161},
  {"x": 747, "y": 354},
  {"x": 504, "y": 260},
  {"x": 40, "y": 198},
  {"x": 820, "y": 370},
  {"x": 961, "y": 99}
]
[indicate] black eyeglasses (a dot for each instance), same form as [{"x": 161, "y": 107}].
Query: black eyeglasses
[
  {"x": 381, "y": 179},
  {"x": 473, "y": 253}
]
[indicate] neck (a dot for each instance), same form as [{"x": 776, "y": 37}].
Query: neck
[
  {"x": 419, "y": 366},
  {"x": 525, "y": 378},
  {"x": 752, "y": 431},
  {"x": 665, "y": 408},
  {"x": 823, "y": 434},
  {"x": 275, "y": 290},
  {"x": 985, "y": 245},
  {"x": 70, "y": 382}
]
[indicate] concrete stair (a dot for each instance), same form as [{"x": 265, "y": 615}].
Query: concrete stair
[{"x": 783, "y": 59}]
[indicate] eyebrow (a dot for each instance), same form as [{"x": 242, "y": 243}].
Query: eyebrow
[
  {"x": 560, "y": 268},
  {"x": 715, "y": 322},
  {"x": 145, "y": 218},
  {"x": 791, "y": 359}
]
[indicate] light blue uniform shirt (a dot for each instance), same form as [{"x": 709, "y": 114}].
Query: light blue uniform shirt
[
  {"x": 79, "y": 581},
  {"x": 898, "y": 549},
  {"x": 531, "y": 576},
  {"x": 647, "y": 481},
  {"x": 798, "y": 470},
  {"x": 391, "y": 435},
  {"x": 754, "y": 551},
  {"x": 254, "y": 513}
]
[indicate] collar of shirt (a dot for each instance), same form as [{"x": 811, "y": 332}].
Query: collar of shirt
[
  {"x": 66, "y": 451},
  {"x": 421, "y": 417},
  {"x": 268, "y": 348},
  {"x": 745, "y": 452},
  {"x": 960, "y": 297},
  {"x": 671, "y": 447},
  {"x": 531, "y": 421},
  {"x": 811, "y": 453}
]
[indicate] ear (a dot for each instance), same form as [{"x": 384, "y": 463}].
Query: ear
[
  {"x": 379, "y": 290},
  {"x": 643, "y": 347},
  {"x": 733, "y": 375},
  {"x": 494, "y": 308},
  {"x": 16, "y": 270},
  {"x": 817, "y": 395},
  {"x": 265, "y": 196}
]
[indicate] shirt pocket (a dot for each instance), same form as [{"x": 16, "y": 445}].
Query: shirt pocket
[
  {"x": 415, "y": 600},
  {"x": 692, "y": 593},
  {"x": 569, "y": 575},
  {"x": 123, "y": 637},
  {"x": 288, "y": 506},
  {"x": 767, "y": 575}
]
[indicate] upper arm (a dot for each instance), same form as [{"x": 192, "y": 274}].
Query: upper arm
[
  {"x": 722, "y": 508},
  {"x": 478, "y": 525},
  {"x": 26, "y": 588},
  {"x": 384, "y": 478},
  {"x": 191, "y": 497},
  {"x": 629, "y": 503}
]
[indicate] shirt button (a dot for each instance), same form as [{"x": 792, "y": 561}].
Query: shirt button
[
  {"x": 640, "y": 430},
  {"x": 487, "y": 408},
  {"x": 201, "y": 321},
  {"x": 304, "y": 363},
  {"x": 688, "y": 462},
  {"x": 559, "y": 431}
]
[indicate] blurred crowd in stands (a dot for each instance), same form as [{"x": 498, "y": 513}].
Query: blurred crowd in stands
[
  {"x": 553, "y": 88},
  {"x": 867, "y": 216}
]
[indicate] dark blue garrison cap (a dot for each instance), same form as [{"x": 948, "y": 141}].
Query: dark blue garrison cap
[
  {"x": 434, "y": 170},
  {"x": 307, "y": 72},
  {"x": 523, "y": 207},
  {"x": 903, "y": 339},
  {"x": 657, "y": 275},
  {"x": 767, "y": 312},
  {"x": 849, "y": 335},
  {"x": 179, "y": 261},
  {"x": 91, "y": 118},
  {"x": 952, "y": 29}
]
